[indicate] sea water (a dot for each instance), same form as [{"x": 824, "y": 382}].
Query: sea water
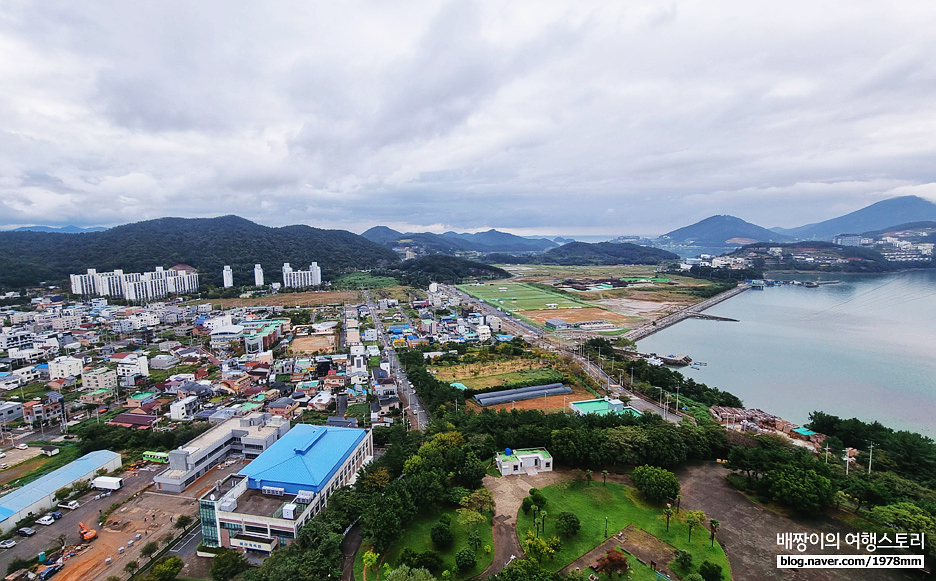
[{"x": 864, "y": 348}]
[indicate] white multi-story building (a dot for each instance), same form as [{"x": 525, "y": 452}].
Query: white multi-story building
[
  {"x": 16, "y": 339},
  {"x": 62, "y": 367},
  {"x": 100, "y": 378},
  {"x": 258, "y": 275},
  {"x": 130, "y": 364},
  {"x": 135, "y": 286},
  {"x": 302, "y": 278},
  {"x": 227, "y": 277}
]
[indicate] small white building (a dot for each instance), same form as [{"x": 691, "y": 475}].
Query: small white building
[
  {"x": 526, "y": 461},
  {"x": 183, "y": 409}
]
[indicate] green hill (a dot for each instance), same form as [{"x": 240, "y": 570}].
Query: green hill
[{"x": 26, "y": 258}]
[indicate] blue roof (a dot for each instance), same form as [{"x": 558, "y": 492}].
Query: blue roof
[
  {"x": 47, "y": 485},
  {"x": 305, "y": 458}
]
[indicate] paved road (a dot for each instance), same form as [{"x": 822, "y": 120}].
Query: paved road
[{"x": 748, "y": 531}]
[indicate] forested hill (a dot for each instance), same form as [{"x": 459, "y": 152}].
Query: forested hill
[
  {"x": 583, "y": 253},
  {"x": 208, "y": 244},
  {"x": 447, "y": 269}
]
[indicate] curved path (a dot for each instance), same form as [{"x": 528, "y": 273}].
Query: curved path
[{"x": 748, "y": 531}]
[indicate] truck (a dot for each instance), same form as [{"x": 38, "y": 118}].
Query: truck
[
  {"x": 107, "y": 483},
  {"x": 71, "y": 504}
]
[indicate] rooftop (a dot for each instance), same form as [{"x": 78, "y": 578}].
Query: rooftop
[{"x": 305, "y": 458}]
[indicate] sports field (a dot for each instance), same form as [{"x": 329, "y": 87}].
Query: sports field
[{"x": 516, "y": 297}]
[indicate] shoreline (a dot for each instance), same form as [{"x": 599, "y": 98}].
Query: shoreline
[{"x": 688, "y": 312}]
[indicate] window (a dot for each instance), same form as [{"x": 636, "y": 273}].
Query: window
[
  {"x": 516, "y": 467},
  {"x": 547, "y": 464}
]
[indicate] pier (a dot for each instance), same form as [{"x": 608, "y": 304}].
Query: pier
[{"x": 693, "y": 311}]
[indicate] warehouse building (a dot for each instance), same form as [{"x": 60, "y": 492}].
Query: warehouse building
[
  {"x": 39, "y": 495},
  {"x": 267, "y": 503}
]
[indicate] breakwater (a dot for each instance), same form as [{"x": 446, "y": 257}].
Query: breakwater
[{"x": 685, "y": 313}]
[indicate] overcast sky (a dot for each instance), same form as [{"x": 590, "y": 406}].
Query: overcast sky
[{"x": 537, "y": 117}]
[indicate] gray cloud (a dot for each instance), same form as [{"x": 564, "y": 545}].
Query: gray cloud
[{"x": 538, "y": 117}]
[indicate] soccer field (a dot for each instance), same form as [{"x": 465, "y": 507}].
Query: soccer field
[{"x": 519, "y": 297}]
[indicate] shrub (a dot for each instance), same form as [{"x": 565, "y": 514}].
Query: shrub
[
  {"x": 684, "y": 559},
  {"x": 710, "y": 571},
  {"x": 568, "y": 524},
  {"x": 465, "y": 560},
  {"x": 442, "y": 537}
]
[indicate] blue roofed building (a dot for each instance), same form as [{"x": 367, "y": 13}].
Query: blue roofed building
[
  {"x": 266, "y": 504},
  {"x": 39, "y": 495}
]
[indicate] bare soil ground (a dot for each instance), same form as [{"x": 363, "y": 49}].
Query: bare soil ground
[
  {"x": 17, "y": 459},
  {"x": 578, "y": 315},
  {"x": 642, "y": 309},
  {"x": 309, "y": 299},
  {"x": 311, "y": 344},
  {"x": 122, "y": 526}
]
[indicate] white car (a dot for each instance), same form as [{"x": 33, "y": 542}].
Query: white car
[
  {"x": 46, "y": 520},
  {"x": 2, "y": 454},
  {"x": 7, "y": 544},
  {"x": 22, "y": 447}
]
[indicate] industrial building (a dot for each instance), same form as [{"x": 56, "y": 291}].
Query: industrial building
[
  {"x": 39, "y": 495},
  {"x": 602, "y": 407},
  {"x": 521, "y": 393},
  {"x": 249, "y": 435},
  {"x": 267, "y": 503}
]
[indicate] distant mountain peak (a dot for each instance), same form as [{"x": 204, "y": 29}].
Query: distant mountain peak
[
  {"x": 878, "y": 216},
  {"x": 722, "y": 230}
]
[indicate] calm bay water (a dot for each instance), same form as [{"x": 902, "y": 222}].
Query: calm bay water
[{"x": 863, "y": 348}]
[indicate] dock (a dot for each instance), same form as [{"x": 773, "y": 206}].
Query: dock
[{"x": 693, "y": 311}]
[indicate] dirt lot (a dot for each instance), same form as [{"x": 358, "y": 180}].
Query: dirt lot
[
  {"x": 135, "y": 517},
  {"x": 311, "y": 344},
  {"x": 579, "y": 315},
  {"x": 641, "y": 309},
  {"x": 309, "y": 299},
  {"x": 453, "y": 373},
  {"x": 15, "y": 458}
]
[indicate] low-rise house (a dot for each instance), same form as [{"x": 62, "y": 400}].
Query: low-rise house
[
  {"x": 135, "y": 421},
  {"x": 284, "y": 406}
]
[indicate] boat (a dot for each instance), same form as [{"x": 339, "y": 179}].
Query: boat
[
  {"x": 694, "y": 367},
  {"x": 655, "y": 361},
  {"x": 811, "y": 284}
]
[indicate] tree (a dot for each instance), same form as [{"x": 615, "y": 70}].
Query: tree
[
  {"x": 166, "y": 570},
  {"x": 62, "y": 493},
  {"x": 588, "y": 477},
  {"x": 441, "y": 535},
  {"x": 613, "y": 561},
  {"x": 537, "y": 548},
  {"x": 226, "y": 564},
  {"x": 370, "y": 559},
  {"x": 568, "y": 524},
  {"x": 710, "y": 571},
  {"x": 469, "y": 519},
  {"x": 804, "y": 490},
  {"x": 656, "y": 484},
  {"x": 131, "y": 567},
  {"x": 474, "y": 541},
  {"x": 684, "y": 559},
  {"x": 404, "y": 573},
  {"x": 668, "y": 511},
  {"x": 149, "y": 549},
  {"x": 479, "y": 500},
  {"x": 604, "y": 477},
  {"x": 713, "y": 526},
  {"x": 693, "y": 519},
  {"x": 465, "y": 560},
  {"x": 184, "y": 521}
]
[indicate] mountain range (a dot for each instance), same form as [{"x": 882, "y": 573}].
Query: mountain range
[
  {"x": 59, "y": 230},
  {"x": 721, "y": 231},
  {"x": 450, "y": 242}
]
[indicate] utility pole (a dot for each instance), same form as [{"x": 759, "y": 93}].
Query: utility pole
[
  {"x": 870, "y": 456},
  {"x": 827, "y": 453},
  {"x": 846, "y": 461}
]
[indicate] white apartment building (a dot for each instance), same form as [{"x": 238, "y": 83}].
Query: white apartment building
[
  {"x": 301, "y": 278},
  {"x": 135, "y": 286},
  {"x": 16, "y": 339},
  {"x": 130, "y": 364},
  {"x": 62, "y": 367},
  {"x": 258, "y": 275},
  {"x": 227, "y": 276},
  {"x": 100, "y": 378},
  {"x": 184, "y": 409}
]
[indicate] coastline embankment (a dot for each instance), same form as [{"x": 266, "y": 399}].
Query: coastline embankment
[{"x": 683, "y": 314}]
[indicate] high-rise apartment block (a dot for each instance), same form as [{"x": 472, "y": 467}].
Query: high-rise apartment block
[
  {"x": 135, "y": 286},
  {"x": 301, "y": 278},
  {"x": 228, "y": 277},
  {"x": 258, "y": 275}
]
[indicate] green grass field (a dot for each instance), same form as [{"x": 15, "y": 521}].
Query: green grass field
[
  {"x": 519, "y": 297},
  {"x": 531, "y": 376},
  {"x": 416, "y": 536},
  {"x": 622, "y": 506}
]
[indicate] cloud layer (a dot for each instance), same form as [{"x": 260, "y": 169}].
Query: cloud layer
[{"x": 534, "y": 117}]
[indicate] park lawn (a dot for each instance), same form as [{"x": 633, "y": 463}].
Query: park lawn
[
  {"x": 541, "y": 376},
  {"x": 416, "y": 537},
  {"x": 621, "y": 505}
]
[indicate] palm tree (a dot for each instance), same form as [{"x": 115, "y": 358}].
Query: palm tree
[
  {"x": 713, "y": 525},
  {"x": 668, "y": 511},
  {"x": 588, "y": 476},
  {"x": 693, "y": 522}
]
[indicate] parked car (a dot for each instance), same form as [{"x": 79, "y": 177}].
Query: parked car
[
  {"x": 56, "y": 514},
  {"x": 71, "y": 504},
  {"x": 4, "y": 466},
  {"x": 7, "y": 544},
  {"x": 26, "y": 532},
  {"x": 22, "y": 447},
  {"x": 2, "y": 454},
  {"x": 48, "y": 572},
  {"x": 46, "y": 520}
]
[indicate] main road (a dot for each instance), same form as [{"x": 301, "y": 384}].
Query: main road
[{"x": 408, "y": 397}]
